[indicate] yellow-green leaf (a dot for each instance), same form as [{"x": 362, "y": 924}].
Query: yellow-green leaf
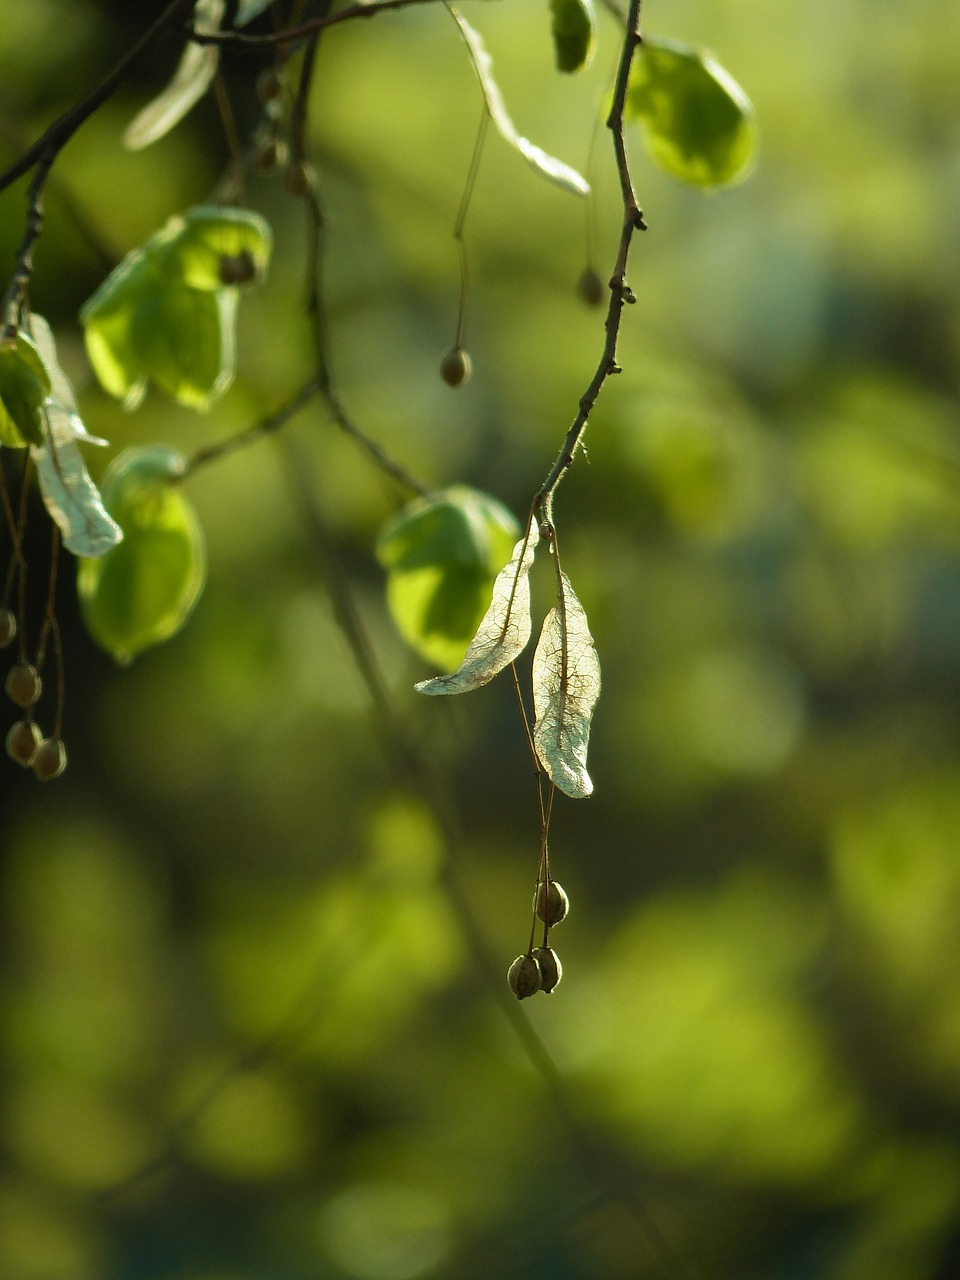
[
  {"x": 574, "y": 29},
  {"x": 24, "y": 385},
  {"x": 442, "y": 553},
  {"x": 699, "y": 123},
  {"x": 143, "y": 590}
]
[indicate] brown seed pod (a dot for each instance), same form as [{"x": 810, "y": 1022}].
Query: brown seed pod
[
  {"x": 8, "y": 627},
  {"x": 237, "y": 268},
  {"x": 298, "y": 180},
  {"x": 455, "y": 367},
  {"x": 551, "y": 970},
  {"x": 49, "y": 759},
  {"x": 523, "y": 977},
  {"x": 270, "y": 85},
  {"x": 23, "y": 684},
  {"x": 551, "y": 902},
  {"x": 590, "y": 287},
  {"x": 22, "y": 742},
  {"x": 270, "y": 156}
]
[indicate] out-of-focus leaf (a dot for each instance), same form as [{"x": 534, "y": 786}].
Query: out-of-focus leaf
[
  {"x": 504, "y": 630},
  {"x": 699, "y": 123},
  {"x": 566, "y": 686},
  {"x": 191, "y": 80},
  {"x": 574, "y": 29},
  {"x": 70, "y": 496},
  {"x": 548, "y": 165},
  {"x": 24, "y": 385},
  {"x": 143, "y": 590},
  {"x": 185, "y": 340},
  {"x": 442, "y": 553},
  {"x": 457, "y": 525},
  {"x": 168, "y": 312},
  {"x": 210, "y": 238}
]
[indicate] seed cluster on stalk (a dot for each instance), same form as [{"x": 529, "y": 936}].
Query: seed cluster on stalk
[
  {"x": 25, "y": 744},
  {"x": 539, "y": 968}
]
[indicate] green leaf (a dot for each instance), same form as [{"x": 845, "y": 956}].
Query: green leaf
[
  {"x": 456, "y": 526},
  {"x": 207, "y": 235},
  {"x": 70, "y": 496},
  {"x": 504, "y": 630},
  {"x": 185, "y": 341},
  {"x": 437, "y": 609},
  {"x": 143, "y": 590},
  {"x": 551, "y": 168},
  {"x": 24, "y": 385},
  {"x": 191, "y": 80},
  {"x": 574, "y": 30},
  {"x": 166, "y": 314},
  {"x": 441, "y": 554},
  {"x": 566, "y": 686},
  {"x": 699, "y": 123}
]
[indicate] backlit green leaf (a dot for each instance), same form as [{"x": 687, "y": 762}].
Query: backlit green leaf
[
  {"x": 504, "y": 630},
  {"x": 208, "y": 236},
  {"x": 548, "y": 165},
  {"x": 574, "y": 30},
  {"x": 168, "y": 312},
  {"x": 191, "y": 80},
  {"x": 24, "y": 384},
  {"x": 699, "y": 123},
  {"x": 566, "y": 686},
  {"x": 142, "y": 591},
  {"x": 184, "y": 340},
  {"x": 442, "y": 554}
]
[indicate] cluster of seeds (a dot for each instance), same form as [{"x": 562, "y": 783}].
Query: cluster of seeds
[
  {"x": 271, "y": 154},
  {"x": 47, "y": 757},
  {"x": 539, "y": 969}
]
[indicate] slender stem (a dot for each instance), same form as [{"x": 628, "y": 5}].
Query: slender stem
[
  {"x": 462, "y": 218},
  {"x": 264, "y": 427},
  {"x": 620, "y": 292},
  {"x": 316, "y": 227}
]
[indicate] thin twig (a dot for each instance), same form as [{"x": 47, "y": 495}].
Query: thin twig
[
  {"x": 316, "y": 226},
  {"x": 458, "y": 226},
  {"x": 264, "y": 427},
  {"x": 620, "y": 291}
]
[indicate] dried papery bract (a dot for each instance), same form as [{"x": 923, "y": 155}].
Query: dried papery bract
[
  {"x": 191, "y": 80},
  {"x": 566, "y": 686},
  {"x": 504, "y": 630},
  {"x": 549, "y": 166}
]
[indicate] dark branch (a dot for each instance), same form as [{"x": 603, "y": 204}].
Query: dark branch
[{"x": 620, "y": 292}]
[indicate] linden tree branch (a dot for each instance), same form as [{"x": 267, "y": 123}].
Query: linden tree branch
[{"x": 620, "y": 291}]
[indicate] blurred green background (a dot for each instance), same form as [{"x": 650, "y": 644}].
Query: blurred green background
[{"x": 247, "y": 1031}]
